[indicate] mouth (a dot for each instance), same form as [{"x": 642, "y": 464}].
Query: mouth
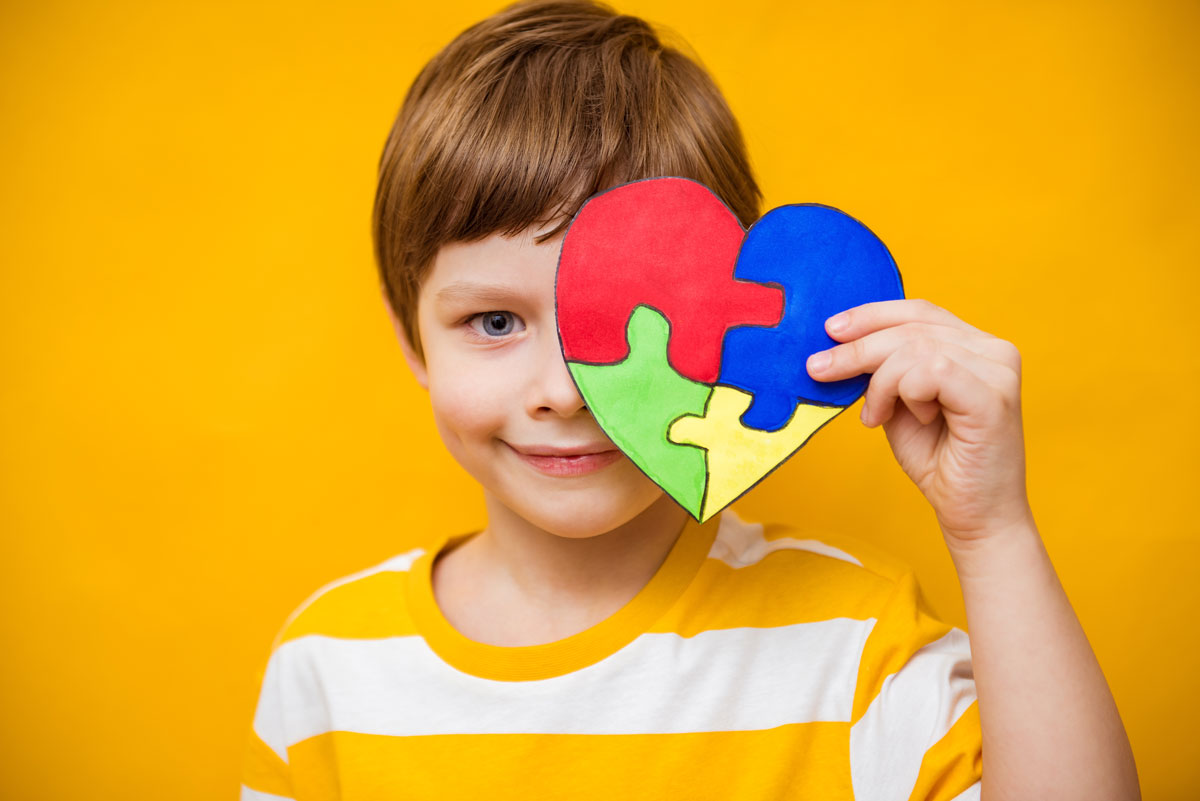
[{"x": 571, "y": 461}]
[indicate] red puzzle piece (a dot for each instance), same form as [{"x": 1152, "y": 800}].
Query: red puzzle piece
[{"x": 677, "y": 243}]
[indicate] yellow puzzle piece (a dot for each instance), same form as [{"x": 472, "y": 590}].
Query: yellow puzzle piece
[{"x": 739, "y": 456}]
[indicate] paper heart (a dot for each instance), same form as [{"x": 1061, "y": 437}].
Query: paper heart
[{"x": 688, "y": 336}]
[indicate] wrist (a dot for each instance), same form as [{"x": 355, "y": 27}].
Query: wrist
[
  {"x": 996, "y": 549},
  {"x": 984, "y": 518}
]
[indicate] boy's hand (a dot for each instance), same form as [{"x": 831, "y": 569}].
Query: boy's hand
[{"x": 949, "y": 398}]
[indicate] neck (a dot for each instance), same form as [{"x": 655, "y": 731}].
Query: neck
[{"x": 602, "y": 571}]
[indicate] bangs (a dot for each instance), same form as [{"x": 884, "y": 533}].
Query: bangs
[{"x": 549, "y": 130}]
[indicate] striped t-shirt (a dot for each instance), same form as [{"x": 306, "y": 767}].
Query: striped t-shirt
[{"x": 755, "y": 664}]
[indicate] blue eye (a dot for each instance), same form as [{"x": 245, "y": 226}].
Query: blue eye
[{"x": 497, "y": 323}]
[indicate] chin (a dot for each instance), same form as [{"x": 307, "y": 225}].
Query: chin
[{"x": 580, "y": 516}]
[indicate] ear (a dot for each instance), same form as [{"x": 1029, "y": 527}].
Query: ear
[{"x": 415, "y": 362}]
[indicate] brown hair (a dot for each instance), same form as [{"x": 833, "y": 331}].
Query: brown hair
[{"x": 527, "y": 114}]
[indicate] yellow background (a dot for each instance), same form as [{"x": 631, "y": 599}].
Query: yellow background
[{"x": 205, "y": 416}]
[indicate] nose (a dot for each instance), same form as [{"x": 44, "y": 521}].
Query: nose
[{"x": 552, "y": 390}]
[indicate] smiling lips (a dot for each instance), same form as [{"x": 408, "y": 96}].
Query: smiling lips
[{"x": 566, "y": 461}]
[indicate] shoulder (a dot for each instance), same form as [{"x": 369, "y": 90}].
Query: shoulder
[
  {"x": 365, "y": 604},
  {"x": 847, "y": 576},
  {"x": 742, "y": 542},
  {"x": 832, "y": 566},
  {"x": 768, "y": 576}
]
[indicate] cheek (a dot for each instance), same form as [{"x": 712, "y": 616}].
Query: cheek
[{"x": 472, "y": 403}]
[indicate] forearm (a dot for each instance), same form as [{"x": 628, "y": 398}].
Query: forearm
[{"x": 1050, "y": 726}]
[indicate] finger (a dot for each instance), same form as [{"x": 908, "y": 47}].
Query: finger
[
  {"x": 864, "y": 355},
  {"x": 860, "y": 320},
  {"x": 902, "y": 376}
]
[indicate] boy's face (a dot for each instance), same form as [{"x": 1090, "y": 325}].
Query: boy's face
[{"x": 502, "y": 398}]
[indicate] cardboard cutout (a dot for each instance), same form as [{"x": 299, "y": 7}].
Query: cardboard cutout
[{"x": 688, "y": 337}]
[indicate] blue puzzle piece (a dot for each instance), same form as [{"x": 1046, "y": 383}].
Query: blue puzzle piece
[{"x": 827, "y": 262}]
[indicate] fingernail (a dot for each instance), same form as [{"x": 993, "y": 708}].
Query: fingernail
[
  {"x": 837, "y": 322},
  {"x": 819, "y": 361}
]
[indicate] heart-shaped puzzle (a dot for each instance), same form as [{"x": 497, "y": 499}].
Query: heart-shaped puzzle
[{"x": 688, "y": 336}]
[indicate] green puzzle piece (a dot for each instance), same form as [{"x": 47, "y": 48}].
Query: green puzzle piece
[{"x": 636, "y": 400}]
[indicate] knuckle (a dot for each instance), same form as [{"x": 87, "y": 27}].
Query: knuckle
[
  {"x": 1005, "y": 352},
  {"x": 941, "y": 365},
  {"x": 1010, "y": 390},
  {"x": 1013, "y": 355}
]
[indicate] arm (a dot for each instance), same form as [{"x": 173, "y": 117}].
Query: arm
[
  {"x": 1050, "y": 725},
  {"x": 948, "y": 396},
  {"x": 266, "y": 775}
]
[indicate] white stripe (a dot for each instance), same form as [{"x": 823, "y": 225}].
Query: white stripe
[
  {"x": 969, "y": 794},
  {"x": 720, "y": 680},
  {"x": 740, "y": 544},
  {"x": 256, "y": 795},
  {"x": 915, "y": 708},
  {"x": 269, "y": 716}
]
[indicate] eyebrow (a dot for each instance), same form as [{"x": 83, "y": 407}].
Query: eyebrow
[{"x": 462, "y": 291}]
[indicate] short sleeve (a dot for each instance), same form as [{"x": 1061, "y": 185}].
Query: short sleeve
[
  {"x": 915, "y": 732},
  {"x": 265, "y": 773}
]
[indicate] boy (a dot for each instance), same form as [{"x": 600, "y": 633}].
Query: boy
[{"x": 595, "y": 642}]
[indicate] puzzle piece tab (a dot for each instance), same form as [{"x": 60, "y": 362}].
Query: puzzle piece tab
[
  {"x": 639, "y": 397},
  {"x": 668, "y": 243},
  {"x": 827, "y": 262},
  {"x": 738, "y": 457}
]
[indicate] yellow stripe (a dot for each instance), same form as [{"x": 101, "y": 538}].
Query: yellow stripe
[
  {"x": 371, "y": 607},
  {"x": 723, "y": 597},
  {"x": 263, "y": 770},
  {"x": 517, "y": 767},
  {"x": 954, "y": 763},
  {"x": 904, "y": 628},
  {"x": 872, "y": 558}
]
